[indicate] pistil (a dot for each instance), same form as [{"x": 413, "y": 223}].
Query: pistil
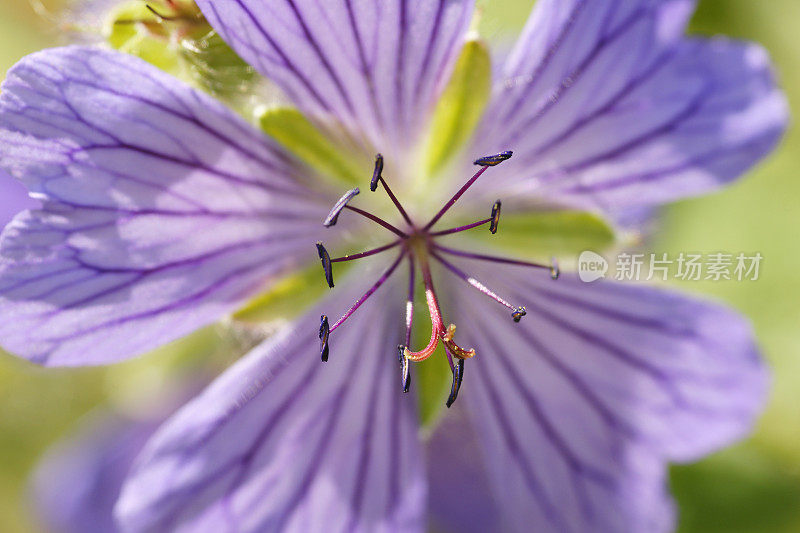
[
  {"x": 377, "y": 177},
  {"x": 438, "y": 329},
  {"x": 478, "y": 285}
]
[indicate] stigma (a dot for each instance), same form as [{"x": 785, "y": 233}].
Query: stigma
[{"x": 418, "y": 245}]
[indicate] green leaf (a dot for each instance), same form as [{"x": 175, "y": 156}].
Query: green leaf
[
  {"x": 461, "y": 105},
  {"x": 297, "y": 134},
  {"x": 549, "y": 233}
]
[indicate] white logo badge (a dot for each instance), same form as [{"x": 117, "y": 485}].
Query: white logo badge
[{"x": 591, "y": 266}]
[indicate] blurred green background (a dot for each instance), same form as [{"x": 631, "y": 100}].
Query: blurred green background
[{"x": 752, "y": 487}]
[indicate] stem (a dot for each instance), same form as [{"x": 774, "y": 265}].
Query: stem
[
  {"x": 370, "y": 292},
  {"x": 461, "y": 228},
  {"x": 378, "y": 220},
  {"x": 368, "y": 253},
  {"x": 472, "y": 281},
  {"x": 455, "y": 198},
  {"x": 396, "y": 202}
]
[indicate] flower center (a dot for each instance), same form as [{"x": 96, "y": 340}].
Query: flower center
[{"x": 419, "y": 245}]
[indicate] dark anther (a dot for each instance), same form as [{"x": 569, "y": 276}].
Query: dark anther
[
  {"x": 377, "y": 174},
  {"x": 458, "y": 377},
  {"x": 495, "y": 216},
  {"x": 326, "y": 264},
  {"x": 333, "y": 216},
  {"x": 324, "y": 332},
  {"x": 405, "y": 367},
  {"x": 493, "y": 160},
  {"x": 555, "y": 271},
  {"x": 518, "y": 313}
]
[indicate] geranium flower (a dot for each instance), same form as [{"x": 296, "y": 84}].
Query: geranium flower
[{"x": 163, "y": 211}]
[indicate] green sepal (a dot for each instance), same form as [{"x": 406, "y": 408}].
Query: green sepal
[
  {"x": 185, "y": 46},
  {"x": 214, "y": 66},
  {"x": 296, "y": 133},
  {"x": 287, "y": 298},
  {"x": 550, "y": 233},
  {"x": 133, "y": 29},
  {"x": 461, "y": 105},
  {"x": 431, "y": 380}
]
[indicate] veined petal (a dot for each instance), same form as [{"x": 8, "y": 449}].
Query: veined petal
[
  {"x": 13, "y": 198},
  {"x": 375, "y": 67},
  {"x": 581, "y": 404},
  {"x": 607, "y": 105},
  {"x": 162, "y": 210},
  {"x": 283, "y": 442},
  {"x": 460, "y": 497}
]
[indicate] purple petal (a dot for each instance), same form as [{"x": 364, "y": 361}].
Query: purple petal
[
  {"x": 606, "y": 104},
  {"x": 162, "y": 210},
  {"x": 581, "y": 404},
  {"x": 13, "y": 198},
  {"x": 78, "y": 482},
  {"x": 283, "y": 442},
  {"x": 460, "y": 497},
  {"x": 376, "y": 67}
]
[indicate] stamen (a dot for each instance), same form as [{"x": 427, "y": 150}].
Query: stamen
[
  {"x": 494, "y": 219},
  {"x": 352, "y": 257},
  {"x": 405, "y": 367},
  {"x": 555, "y": 271},
  {"x": 461, "y": 228},
  {"x": 458, "y": 378},
  {"x": 370, "y": 292},
  {"x": 420, "y": 244},
  {"x": 495, "y": 216},
  {"x": 377, "y": 220},
  {"x": 377, "y": 176},
  {"x": 484, "y": 162},
  {"x": 410, "y": 299},
  {"x": 326, "y": 263},
  {"x": 495, "y": 259},
  {"x": 333, "y": 216},
  {"x": 324, "y": 333},
  {"x": 493, "y": 160},
  {"x": 454, "y": 199},
  {"x": 516, "y": 315}
]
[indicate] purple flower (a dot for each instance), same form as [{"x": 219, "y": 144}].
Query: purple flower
[{"x": 163, "y": 211}]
